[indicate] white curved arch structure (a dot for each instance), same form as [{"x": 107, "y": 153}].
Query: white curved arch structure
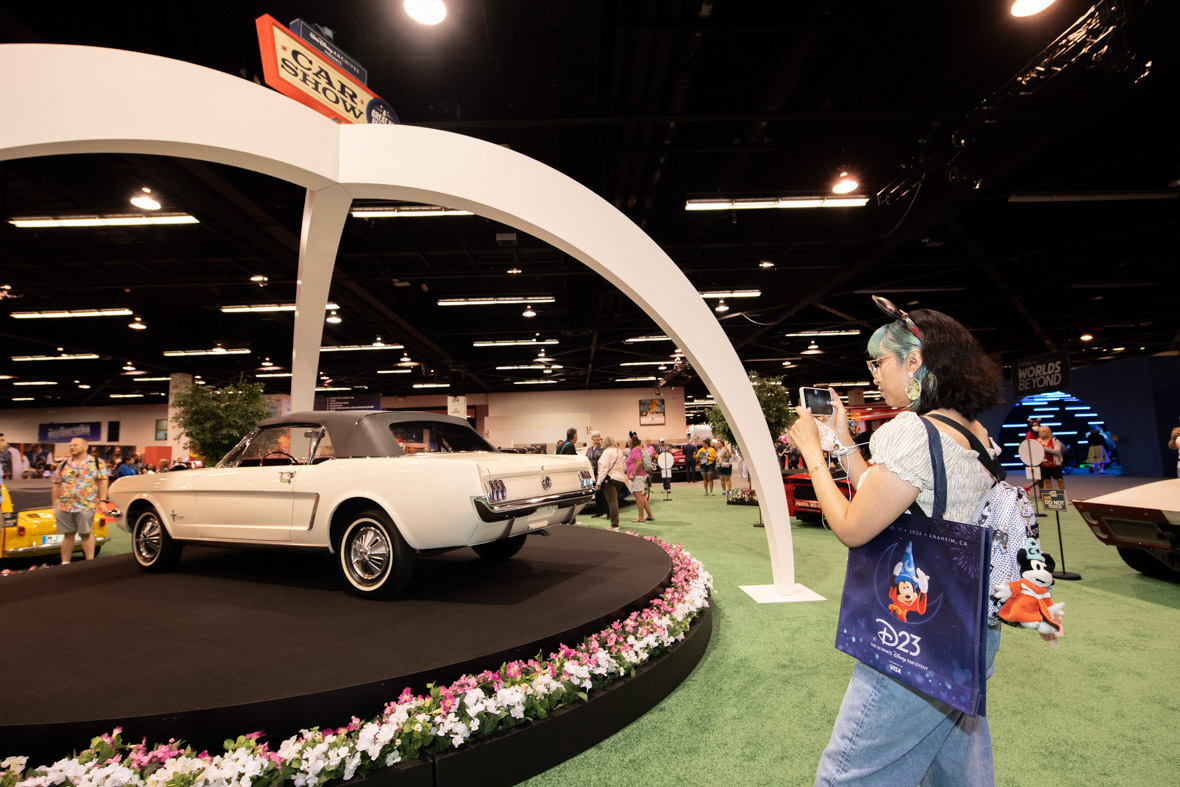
[{"x": 72, "y": 99}]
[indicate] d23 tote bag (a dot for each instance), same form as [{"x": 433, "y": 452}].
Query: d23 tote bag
[{"x": 915, "y": 600}]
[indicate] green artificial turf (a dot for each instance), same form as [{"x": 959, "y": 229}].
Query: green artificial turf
[{"x": 759, "y": 707}]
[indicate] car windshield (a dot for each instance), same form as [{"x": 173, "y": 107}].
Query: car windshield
[{"x": 428, "y": 437}]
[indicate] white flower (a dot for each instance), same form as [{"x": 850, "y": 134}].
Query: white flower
[
  {"x": 175, "y": 767},
  {"x": 16, "y": 764}
]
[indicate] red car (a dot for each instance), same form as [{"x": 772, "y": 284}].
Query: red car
[{"x": 801, "y": 502}]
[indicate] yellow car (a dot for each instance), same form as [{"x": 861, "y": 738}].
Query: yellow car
[{"x": 28, "y": 524}]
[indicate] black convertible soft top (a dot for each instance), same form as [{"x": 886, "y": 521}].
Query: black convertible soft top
[{"x": 357, "y": 433}]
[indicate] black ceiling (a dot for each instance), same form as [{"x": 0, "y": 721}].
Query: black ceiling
[{"x": 649, "y": 104}]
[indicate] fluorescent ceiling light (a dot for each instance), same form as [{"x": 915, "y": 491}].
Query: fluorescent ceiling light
[
  {"x": 267, "y": 307},
  {"x": 36, "y": 382},
  {"x": 333, "y": 388},
  {"x": 24, "y": 398},
  {"x": 1094, "y": 196},
  {"x": 731, "y": 294},
  {"x": 432, "y": 385},
  {"x": 858, "y": 384},
  {"x": 633, "y": 379},
  {"x": 643, "y": 363},
  {"x": 274, "y": 374},
  {"x": 850, "y": 332},
  {"x": 530, "y": 366},
  {"x": 511, "y": 299},
  {"x": 888, "y": 290},
  {"x": 535, "y": 382},
  {"x": 781, "y": 202},
  {"x": 126, "y": 396},
  {"x": 407, "y": 211},
  {"x": 213, "y": 351},
  {"x": 62, "y": 357},
  {"x": 359, "y": 347},
  {"x": 390, "y": 371},
  {"x": 514, "y": 343},
  {"x": 56, "y": 314},
  {"x": 660, "y": 338},
  {"x": 154, "y": 379},
  {"x": 35, "y": 222}
]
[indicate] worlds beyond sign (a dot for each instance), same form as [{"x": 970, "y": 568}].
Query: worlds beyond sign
[{"x": 1040, "y": 374}]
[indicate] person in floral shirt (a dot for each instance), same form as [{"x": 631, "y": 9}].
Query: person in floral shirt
[{"x": 79, "y": 487}]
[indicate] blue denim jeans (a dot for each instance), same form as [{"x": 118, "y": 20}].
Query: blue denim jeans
[{"x": 889, "y": 734}]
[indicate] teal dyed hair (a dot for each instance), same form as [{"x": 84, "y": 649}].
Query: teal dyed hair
[{"x": 897, "y": 339}]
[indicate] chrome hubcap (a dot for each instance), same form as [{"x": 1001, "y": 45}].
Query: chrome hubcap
[
  {"x": 148, "y": 539},
  {"x": 368, "y": 553}
]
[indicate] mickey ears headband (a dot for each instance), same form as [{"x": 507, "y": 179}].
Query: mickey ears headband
[{"x": 886, "y": 305}]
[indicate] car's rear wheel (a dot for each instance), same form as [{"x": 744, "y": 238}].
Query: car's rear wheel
[
  {"x": 1144, "y": 563},
  {"x": 374, "y": 558},
  {"x": 153, "y": 548},
  {"x": 503, "y": 549}
]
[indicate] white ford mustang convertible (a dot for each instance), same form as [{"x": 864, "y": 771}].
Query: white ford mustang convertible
[{"x": 374, "y": 488}]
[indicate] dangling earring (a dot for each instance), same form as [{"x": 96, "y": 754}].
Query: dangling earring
[{"x": 913, "y": 388}]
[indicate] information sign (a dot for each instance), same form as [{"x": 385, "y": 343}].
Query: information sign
[
  {"x": 312, "y": 35},
  {"x": 349, "y": 402},
  {"x": 1054, "y": 499}
]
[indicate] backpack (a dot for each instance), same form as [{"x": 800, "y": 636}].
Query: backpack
[
  {"x": 648, "y": 464},
  {"x": 1011, "y": 515}
]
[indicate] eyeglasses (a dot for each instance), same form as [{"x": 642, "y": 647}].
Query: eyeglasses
[
  {"x": 886, "y": 305},
  {"x": 874, "y": 365}
]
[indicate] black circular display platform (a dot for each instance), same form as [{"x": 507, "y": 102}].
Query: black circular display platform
[{"x": 236, "y": 641}]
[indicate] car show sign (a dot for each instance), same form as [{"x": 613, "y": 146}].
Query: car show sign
[
  {"x": 1041, "y": 373},
  {"x": 64, "y": 433},
  {"x": 300, "y": 71}
]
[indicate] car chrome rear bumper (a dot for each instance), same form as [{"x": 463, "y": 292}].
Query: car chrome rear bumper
[
  {"x": 514, "y": 509},
  {"x": 50, "y": 549}
]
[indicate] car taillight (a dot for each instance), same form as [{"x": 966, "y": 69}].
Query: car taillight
[
  {"x": 496, "y": 491},
  {"x": 20, "y": 530},
  {"x": 586, "y": 479}
]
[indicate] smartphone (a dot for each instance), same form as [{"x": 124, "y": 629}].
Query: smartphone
[{"x": 818, "y": 400}]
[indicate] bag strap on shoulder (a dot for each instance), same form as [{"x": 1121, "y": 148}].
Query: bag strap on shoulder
[
  {"x": 985, "y": 458},
  {"x": 934, "y": 442}
]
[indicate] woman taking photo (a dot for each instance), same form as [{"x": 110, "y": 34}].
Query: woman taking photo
[{"x": 928, "y": 363}]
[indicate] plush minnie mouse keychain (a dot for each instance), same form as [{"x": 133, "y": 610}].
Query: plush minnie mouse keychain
[{"x": 1027, "y": 602}]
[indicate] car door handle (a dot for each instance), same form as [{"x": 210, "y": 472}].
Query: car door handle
[{"x": 286, "y": 476}]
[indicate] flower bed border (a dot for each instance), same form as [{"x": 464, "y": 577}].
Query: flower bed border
[{"x": 629, "y": 666}]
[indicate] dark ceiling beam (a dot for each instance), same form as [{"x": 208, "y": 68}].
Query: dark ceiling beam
[
  {"x": 1001, "y": 283},
  {"x": 685, "y": 118}
]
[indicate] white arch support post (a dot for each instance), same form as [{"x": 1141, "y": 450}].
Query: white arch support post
[{"x": 70, "y": 100}]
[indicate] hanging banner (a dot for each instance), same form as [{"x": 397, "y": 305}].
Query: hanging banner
[
  {"x": 1041, "y": 374},
  {"x": 298, "y": 70},
  {"x": 64, "y": 433}
]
